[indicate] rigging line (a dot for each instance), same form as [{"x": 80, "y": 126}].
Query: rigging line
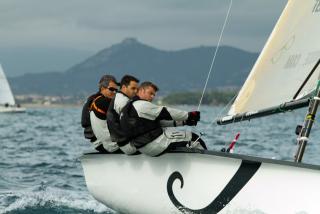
[
  {"x": 218, "y": 115},
  {"x": 215, "y": 53},
  {"x": 307, "y": 79}
]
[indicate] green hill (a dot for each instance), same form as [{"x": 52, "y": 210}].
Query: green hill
[{"x": 172, "y": 70}]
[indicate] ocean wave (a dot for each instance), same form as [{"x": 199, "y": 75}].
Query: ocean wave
[
  {"x": 40, "y": 149},
  {"x": 50, "y": 200}
]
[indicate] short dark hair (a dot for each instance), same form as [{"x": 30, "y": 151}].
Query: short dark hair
[
  {"x": 149, "y": 84},
  {"x": 126, "y": 79},
  {"x": 105, "y": 80}
]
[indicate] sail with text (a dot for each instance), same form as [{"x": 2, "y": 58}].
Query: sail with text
[{"x": 287, "y": 69}]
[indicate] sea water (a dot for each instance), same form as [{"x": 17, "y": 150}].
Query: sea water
[{"x": 40, "y": 171}]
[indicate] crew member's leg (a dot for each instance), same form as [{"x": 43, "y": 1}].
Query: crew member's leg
[
  {"x": 162, "y": 142},
  {"x": 175, "y": 138},
  {"x": 128, "y": 148}
]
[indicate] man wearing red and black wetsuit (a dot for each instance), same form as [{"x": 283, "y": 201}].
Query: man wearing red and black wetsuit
[{"x": 98, "y": 108}]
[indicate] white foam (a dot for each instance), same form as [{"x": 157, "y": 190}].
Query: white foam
[{"x": 57, "y": 197}]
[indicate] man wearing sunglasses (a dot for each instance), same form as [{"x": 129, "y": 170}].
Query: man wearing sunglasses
[
  {"x": 128, "y": 89},
  {"x": 95, "y": 110}
]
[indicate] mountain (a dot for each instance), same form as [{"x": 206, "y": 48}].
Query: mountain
[{"x": 171, "y": 70}]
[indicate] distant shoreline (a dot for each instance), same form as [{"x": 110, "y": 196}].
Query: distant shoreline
[
  {"x": 216, "y": 97},
  {"x": 38, "y": 105},
  {"x": 211, "y": 98}
]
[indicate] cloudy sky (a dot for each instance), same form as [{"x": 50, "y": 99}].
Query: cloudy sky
[{"x": 79, "y": 28}]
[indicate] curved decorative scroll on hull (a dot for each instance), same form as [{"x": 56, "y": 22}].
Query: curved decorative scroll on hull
[{"x": 245, "y": 172}]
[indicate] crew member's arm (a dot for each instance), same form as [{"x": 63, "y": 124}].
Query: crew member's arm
[
  {"x": 99, "y": 108},
  {"x": 167, "y": 116},
  {"x": 151, "y": 111},
  {"x": 120, "y": 101}
]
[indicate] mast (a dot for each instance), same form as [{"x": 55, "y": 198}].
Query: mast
[
  {"x": 312, "y": 102},
  {"x": 305, "y": 131},
  {"x": 286, "y": 71}
]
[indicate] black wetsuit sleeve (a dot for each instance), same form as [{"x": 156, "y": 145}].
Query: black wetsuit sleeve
[
  {"x": 164, "y": 115},
  {"x": 101, "y": 107},
  {"x": 85, "y": 119},
  {"x": 85, "y": 116}
]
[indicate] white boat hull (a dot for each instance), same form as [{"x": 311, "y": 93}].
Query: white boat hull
[
  {"x": 203, "y": 182},
  {"x": 12, "y": 109}
]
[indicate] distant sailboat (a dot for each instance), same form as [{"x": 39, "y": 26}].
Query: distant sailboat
[
  {"x": 285, "y": 77},
  {"x": 7, "y": 102}
]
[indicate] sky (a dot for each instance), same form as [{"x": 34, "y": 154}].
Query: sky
[{"x": 43, "y": 35}]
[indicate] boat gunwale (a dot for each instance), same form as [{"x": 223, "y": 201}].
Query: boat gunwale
[{"x": 223, "y": 154}]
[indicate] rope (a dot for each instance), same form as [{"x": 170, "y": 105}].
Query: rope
[
  {"x": 218, "y": 115},
  {"x": 215, "y": 53}
]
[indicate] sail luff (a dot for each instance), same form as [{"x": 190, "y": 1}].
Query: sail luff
[
  {"x": 285, "y": 62},
  {"x": 6, "y": 96},
  {"x": 252, "y": 74}
]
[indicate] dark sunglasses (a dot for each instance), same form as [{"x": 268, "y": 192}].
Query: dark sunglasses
[{"x": 112, "y": 89}]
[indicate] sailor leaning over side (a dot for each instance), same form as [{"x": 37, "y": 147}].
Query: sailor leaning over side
[
  {"x": 94, "y": 116},
  {"x": 147, "y": 124},
  {"x": 128, "y": 89}
]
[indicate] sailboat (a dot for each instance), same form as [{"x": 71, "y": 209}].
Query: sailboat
[
  {"x": 7, "y": 101},
  {"x": 285, "y": 77}
]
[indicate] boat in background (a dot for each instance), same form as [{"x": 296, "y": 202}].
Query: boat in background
[
  {"x": 285, "y": 77},
  {"x": 7, "y": 101}
]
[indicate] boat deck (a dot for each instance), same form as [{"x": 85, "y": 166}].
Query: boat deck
[{"x": 229, "y": 155}]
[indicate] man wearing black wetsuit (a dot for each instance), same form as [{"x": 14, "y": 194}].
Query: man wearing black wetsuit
[
  {"x": 128, "y": 89},
  {"x": 94, "y": 115},
  {"x": 148, "y": 125}
]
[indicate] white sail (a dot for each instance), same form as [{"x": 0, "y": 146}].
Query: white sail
[
  {"x": 6, "y": 95},
  {"x": 288, "y": 57}
]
